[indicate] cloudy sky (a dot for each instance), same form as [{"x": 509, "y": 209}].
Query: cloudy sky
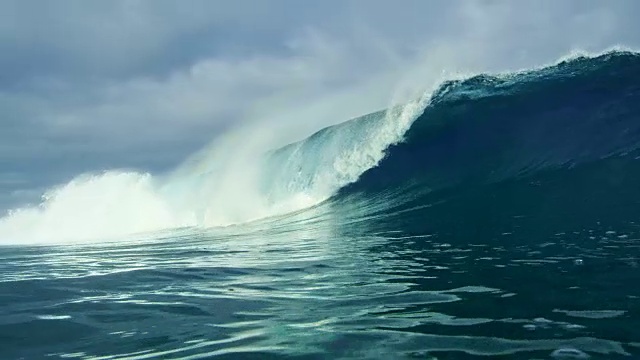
[{"x": 88, "y": 85}]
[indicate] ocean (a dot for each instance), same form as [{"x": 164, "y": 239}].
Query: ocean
[{"x": 496, "y": 217}]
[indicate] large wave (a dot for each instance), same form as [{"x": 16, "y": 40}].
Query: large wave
[
  {"x": 480, "y": 129},
  {"x": 490, "y": 128}
]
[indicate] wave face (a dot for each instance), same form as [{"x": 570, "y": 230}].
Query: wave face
[
  {"x": 467, "y": 134},
  {"x": 492, "y": 128}
]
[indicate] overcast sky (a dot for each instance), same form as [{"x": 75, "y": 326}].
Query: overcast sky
[{"x": 89, "y": 85}]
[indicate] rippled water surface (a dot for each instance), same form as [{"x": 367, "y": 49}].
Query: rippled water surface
[{"x": 311, "y": 289}]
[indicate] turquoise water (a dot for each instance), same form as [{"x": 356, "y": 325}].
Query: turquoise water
[{"x": 316, "y": 291}]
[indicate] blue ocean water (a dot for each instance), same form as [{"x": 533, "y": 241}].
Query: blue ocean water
[{"x": 504, "y": 224}]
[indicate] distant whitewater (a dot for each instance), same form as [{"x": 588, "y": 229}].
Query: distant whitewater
[{"x": 481, "y": 129}]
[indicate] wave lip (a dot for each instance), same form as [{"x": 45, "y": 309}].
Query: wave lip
[{"x": 491, "y": 128}]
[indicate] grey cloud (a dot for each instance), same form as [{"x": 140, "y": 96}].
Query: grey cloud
[{"x": 123, "y": 38}]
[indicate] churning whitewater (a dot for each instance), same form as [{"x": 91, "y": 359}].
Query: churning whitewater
[{"x": 220, "y": 186}]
